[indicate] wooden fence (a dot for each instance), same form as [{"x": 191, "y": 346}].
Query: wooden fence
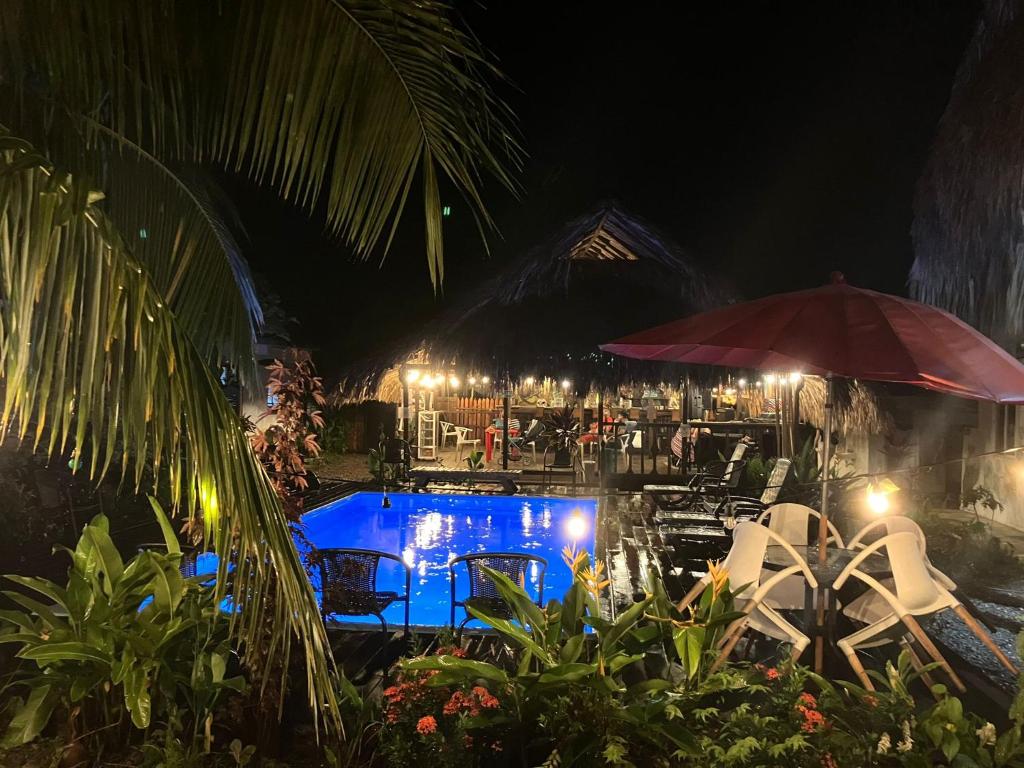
[{"x": 477, "y": 413}]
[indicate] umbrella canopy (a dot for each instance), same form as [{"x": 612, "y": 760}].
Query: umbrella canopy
[{"x": 842, "y": 330}]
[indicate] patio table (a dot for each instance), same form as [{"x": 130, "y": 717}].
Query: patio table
[
  {"x": 836, "y": 559},
  {"x": 489, "y": 434}
]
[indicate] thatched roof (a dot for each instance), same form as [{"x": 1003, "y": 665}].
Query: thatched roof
[
  {"x": 968, "y": 230},
  {"x": 603, "y": 275}
]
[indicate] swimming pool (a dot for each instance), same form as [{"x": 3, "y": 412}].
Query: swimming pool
[{"x": 428, "y": 530}]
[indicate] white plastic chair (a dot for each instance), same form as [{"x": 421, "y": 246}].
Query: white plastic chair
[
  {"x": 447, "y": 430},
  {"x": 790, "y": 522},
  {"x": 463, "y": 439},
  {"x": 743, "y": 566},
  {"x": 902, "y": 524},
  {"x": 913, "y": 593}
]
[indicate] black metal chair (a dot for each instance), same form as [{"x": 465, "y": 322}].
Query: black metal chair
[
  {"x": 348, "y": 583},
  {"x": 483, "y": 593},
  {"x": 558, "y": 463}
]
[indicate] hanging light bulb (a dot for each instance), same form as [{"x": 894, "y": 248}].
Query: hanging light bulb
[
  {"x": 566, "y": 383},
  {"x": 412, "y": 376},
  {"x": 529, "y": 381},
  {"x": 742, "y": 383},
  {"x": 486, "y": 379},
  {"x": 472, "y": 381},
  {"x": 878, "y": 496},
  {"x": 769, "y": 378},
  {"x": 453, "y": 382},
  {"x": 794, "y": 377}
]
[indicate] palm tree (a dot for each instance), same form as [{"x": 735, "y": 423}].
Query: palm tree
[
  {"x": 114, "y": 303},
  {"x": 968, "y": 230}
]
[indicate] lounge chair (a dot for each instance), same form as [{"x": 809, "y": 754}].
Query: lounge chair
[
  {"x": 710, "y": 485},
  {"x": 772, "y": 488},
  {"x": 348, "y": 583},
  {"x": 483, "y": 593}
]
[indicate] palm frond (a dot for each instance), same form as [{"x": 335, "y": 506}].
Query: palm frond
[
  {"x": 170, "y": 222},
  {"x": 94, "y": 362},
  {"x": 336, "y": 102}
]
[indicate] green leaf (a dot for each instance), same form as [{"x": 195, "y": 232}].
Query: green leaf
[
  {"x": 32, "y": 717},
  {"x": 468, "y": 668},
  {"x": 66, "y": 651},
  {"x": 568, "y": 673},
  {"x": 572, "y": 648},
  {"x": 623, "y": 623},
  {"x": 107, "y": 558},
  {"x": 513, "y": 632},
  {"x": 44, "y": 587},
  {"x": 170, "y": 538}
]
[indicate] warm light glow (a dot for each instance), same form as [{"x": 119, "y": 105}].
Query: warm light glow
[
  {"x": 769, "y": 378},
  {"x": 576, "y": 526},
  {"x": 565, "y": 383},
  {"x": 878, "y": 503},
  {"x": 486, "y": 379},
  {"x": 730, "y": 391},
  {"x": 412, "y": 376},
  {"x": 794, "y": 377},
  {"x": 428, "y": 381},
  {"x": 529, "y": 381},
  {"x": 453, "y": 382},
  {"x": 878, "y": 496},
  {"x": 472, "y": 380},
  {"x": 742, "y": 383},
  {"x": 757, "y": 384}
]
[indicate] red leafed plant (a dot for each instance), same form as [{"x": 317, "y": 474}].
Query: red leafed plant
[
  {"x": 446, "y": 725},
  {"x": 297, "y": 395}
]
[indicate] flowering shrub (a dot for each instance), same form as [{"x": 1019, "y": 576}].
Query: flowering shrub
[{"x": 458, "y": 724}]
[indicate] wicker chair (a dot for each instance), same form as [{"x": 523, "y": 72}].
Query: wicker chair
[
  {"x": 348, "y": 580},
  {"x": 482, "y": 591}
]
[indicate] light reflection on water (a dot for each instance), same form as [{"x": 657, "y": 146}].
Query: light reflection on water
[{"x": 430, "y": 530}]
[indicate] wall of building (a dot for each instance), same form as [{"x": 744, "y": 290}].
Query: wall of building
[{"x": 1002, "y": 474}]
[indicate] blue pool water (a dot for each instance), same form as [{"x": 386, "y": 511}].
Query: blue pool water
[{"x": 428, "y": 530}]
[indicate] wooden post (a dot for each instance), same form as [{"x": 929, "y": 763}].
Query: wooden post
[
  {"x": 505, "y": 416},
  {"x": 600, "y": 437}
]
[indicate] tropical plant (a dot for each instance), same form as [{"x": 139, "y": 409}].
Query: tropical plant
[
  {"x": 579, "y": 691},
  {"x": 96, "y": 364},
  {"x": 475, "y": 460},
  {"x": 296, "y": 395},
  {"x": 562, "y": 429},
  {"x": 121, "y": 643},
  {"x": 116, "y": 303},
  {"x": 339, "y": 103}
]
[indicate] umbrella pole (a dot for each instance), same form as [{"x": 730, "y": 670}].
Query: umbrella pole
[{"x": 826, "y": 461}]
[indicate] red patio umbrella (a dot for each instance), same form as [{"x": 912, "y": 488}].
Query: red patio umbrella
[
  {"x": 843, "y": 331},
  {"x": 839, "y": 330}
]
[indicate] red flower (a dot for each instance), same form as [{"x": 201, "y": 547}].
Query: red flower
[
  {"x": 454, "y": 704},
  {"x": 813, "y": 720},
  {"x": 771, "y": 673},
  {"x": 808, "y": 700},
  {"x": 426, "y": 725}
]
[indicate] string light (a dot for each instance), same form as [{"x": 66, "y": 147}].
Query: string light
[
  {"x": 486, "y": 379},
  {"x": 529, "y": 381},
  {"x": 742, "y": 383},
  {"x": 412, "y": 376},
  {"x": 453, "y": 382},
  {"x": 472, "y": 380},
  {"x": 566, "y": 383},
  {"x": 794, "y": 377},
  {"x": 878, "y": 494}
]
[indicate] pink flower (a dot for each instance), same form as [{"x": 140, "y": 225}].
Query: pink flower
[{"x": 426, "y": 725}]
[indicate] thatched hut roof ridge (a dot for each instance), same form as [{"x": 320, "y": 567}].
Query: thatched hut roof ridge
[{"x": 602, "y": 275}]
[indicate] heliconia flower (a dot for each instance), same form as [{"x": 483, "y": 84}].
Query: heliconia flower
[
  {"x": 884, "y": 744},
  {"x": 987, "y": 734},
  {"x": 426, "y": 725}
]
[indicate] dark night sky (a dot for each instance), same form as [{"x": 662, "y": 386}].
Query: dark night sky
[{"x": 779, "y": 140}]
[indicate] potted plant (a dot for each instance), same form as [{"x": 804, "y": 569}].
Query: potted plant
[{"x": 562, "y": 430}]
